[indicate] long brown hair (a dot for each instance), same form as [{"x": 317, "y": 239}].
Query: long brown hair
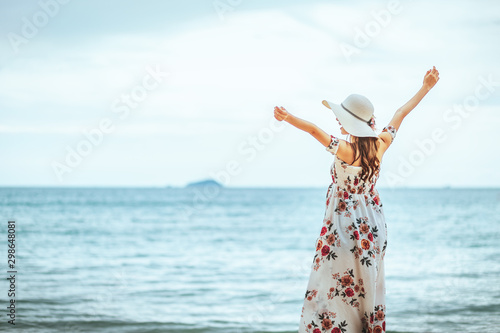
[{"x": 366, "y": 149}]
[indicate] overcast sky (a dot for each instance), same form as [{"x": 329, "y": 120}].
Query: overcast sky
[{"x": 155, "y": 93}]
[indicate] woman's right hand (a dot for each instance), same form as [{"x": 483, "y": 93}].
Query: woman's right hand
[
  {"x": 431, "y": 78},
  {"x": 280, "y": 113}
]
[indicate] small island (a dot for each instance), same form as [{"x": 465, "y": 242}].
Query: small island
[{"x": 207, "y": 182}]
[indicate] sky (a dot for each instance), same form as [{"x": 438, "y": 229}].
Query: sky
[{"x": 164, "y": 93}]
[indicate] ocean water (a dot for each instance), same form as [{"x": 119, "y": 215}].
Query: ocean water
[{"x": 236, "y": 260}]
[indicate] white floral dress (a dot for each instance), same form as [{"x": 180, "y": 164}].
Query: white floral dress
[{"x": 346, "y": 288}]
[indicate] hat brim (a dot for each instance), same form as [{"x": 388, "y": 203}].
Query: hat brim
[{"x": 351, "y": 124}]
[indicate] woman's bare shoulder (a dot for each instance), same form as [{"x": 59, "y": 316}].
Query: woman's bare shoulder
[
  {"x": 384, "y": 144},
  {"x": 385, "y": 139}
]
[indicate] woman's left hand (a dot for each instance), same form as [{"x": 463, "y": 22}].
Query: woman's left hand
[
  {"x": 431, "y": 78},
  {"x": 280, "y": 113}
]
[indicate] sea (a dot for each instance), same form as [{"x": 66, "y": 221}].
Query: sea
[{"x": 235, "y": 260}]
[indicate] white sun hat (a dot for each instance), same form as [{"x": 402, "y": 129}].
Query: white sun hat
[{"x": 355, "y": 114}]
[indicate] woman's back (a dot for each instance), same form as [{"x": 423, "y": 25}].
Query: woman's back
[
  {"x": 347, "y": 176},
  {"x": 383, "y": 142}
]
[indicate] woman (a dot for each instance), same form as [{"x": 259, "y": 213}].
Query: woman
[{"x": 346, "y": 288}]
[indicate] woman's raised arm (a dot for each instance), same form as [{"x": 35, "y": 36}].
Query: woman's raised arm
[
  {"x": 430, "y": 79},
  {"x": 281, "y": 114}
]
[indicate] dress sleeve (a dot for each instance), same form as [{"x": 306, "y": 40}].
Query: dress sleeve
[
  {"x": 334, "y": 145},
  {"x": 391, "y": 130}
]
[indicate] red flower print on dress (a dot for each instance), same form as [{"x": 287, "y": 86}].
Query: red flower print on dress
[
  {"x": 373, "y": 321},
  {"x": 352, "y": 183},
  {"x": 319, "y": 245},
  {"x": 365, "y": 247},
  {"x": 351, "y": 190},
  {"x": 310, "y": 294},
  {"x": 346, "y": 280},
  {"x": 344, "y": 289},
  {"x": 331, "y": 239},
  {"x": 373, "y": 201},
  {"x": 380, "y": 315},
  {"x": 346, "y": 203},
  {"x": 327, "y": 323},
  {"x": 323, "y": 231},
  {"x": 325, "y": 252}
]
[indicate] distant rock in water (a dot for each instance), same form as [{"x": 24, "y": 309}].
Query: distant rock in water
[{"x": 208, "y": 182}]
